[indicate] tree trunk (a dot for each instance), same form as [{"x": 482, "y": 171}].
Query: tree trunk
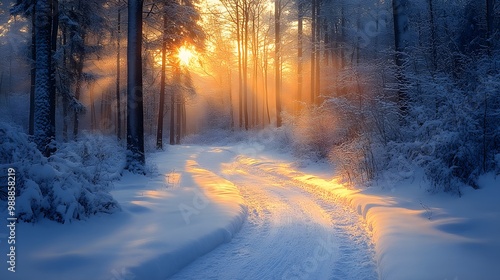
[
  {"x": 44, "y": 126},
  {"x": 433, "y": 35},
  {"x": 183, "y": 120},
  {"x": 93, "y": 119},
  {"x": 135, "y": 118},
  {"x": 240, "y": 78},
  {"x": 277, "y": 59},
  {"x": 342, "y": 37},
  {"x": 159, "y": 131},
  {"x": 400, "y": 42},
  {"x": 66, "y": 85},
  {"x": 317, "y": 51},
  {"x": 313, "y": 51},
  {"x": 178, "y": 120},
  {"x": 266, "y": 86},
  {"x": 172, "y": 117},
  {"x": 78, "y": 86},
  {"x": 231, "y": 98},
  {"x": 300, "y": 36},
  {"x": 490, "y": 4},
  {"x": 53, "y": 49},
  {"x": 245, "y": 62},
  {"x": 33, "y": 72},
  {"x": 118, "y": 86},
  {"x": 255, "y": 52}
]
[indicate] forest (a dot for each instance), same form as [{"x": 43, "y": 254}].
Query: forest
[
  {"x": 364, "y": 132},
  {"x": 372, "y": 86}
]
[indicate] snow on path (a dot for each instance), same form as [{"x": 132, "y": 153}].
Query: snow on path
[
  {"x": 290, "y": 233},
  {"x": 194, "y": 206}
]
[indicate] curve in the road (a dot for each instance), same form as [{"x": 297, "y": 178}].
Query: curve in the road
[{"x": 290, "y": 233}]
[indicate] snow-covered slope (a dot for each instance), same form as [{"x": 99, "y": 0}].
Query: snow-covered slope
[
  {"x": 418, "y": 235},
  {"x": 167, "y": 221}
]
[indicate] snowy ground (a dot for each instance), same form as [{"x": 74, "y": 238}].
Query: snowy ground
[
  {"x": 290, "y": 233},
  {"x": 241, "y": 212}
]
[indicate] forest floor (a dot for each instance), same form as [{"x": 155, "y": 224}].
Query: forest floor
[{"x": 243, "y": 212}]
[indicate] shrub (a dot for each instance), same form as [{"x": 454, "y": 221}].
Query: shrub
[{"x": 72, "y": 184}]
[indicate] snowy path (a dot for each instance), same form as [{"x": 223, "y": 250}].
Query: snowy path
[{"x": 290, "y": 233}]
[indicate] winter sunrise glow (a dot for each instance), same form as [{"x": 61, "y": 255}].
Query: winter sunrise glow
[{"x": 186, "y": 55}]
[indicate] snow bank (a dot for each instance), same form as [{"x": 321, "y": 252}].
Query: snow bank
[
  {"x": 211, "y": 208},
  {"x": 419, "y": 235},
  {"x": 168, "y": 220}
]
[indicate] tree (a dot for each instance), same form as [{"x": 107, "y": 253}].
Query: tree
[
  {"x": 44, "y": 113},
  {"x": 159, "y": 131},
  {"x": 135, "y": 123},
  {"x": 180, "y": 27},
  {"x": 400, "y": 43},
  {"x": 300, "y": 56},
  {"x": 490, "y": 6},
  {"x": 277, "y": 59},
  {"x": 118, "y": 64}
]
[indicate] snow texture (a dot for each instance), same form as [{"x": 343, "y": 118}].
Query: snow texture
[
  {"x": 72, "y": 184},
  {"x": 302, "y": 223}
]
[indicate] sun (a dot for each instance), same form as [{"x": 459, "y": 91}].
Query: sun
[{"x": 185, "y": 55}]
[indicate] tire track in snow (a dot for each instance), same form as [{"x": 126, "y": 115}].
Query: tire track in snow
[{"x": 289, "y": 234}]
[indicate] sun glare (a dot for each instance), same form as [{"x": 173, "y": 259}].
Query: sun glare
[{"x": 185, "y": 55}]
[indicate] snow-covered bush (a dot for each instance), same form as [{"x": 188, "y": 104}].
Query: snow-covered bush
[
  {"x": 72, "y": 184},
  {"x": 316, "y": 130},
  {"x": 452, "y": 126}
]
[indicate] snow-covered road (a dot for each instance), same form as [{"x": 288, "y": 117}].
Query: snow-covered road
[
  {"x": 294, "y": 222},
  {"x": 290, "y": 232}
]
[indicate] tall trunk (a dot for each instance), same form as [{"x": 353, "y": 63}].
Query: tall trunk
[
  {"x": 342, "y": 37},
  {"x": 135, "y": 118},
  {"x": 159, "y": 130},
  {"x": 78, "y": 88},
  {"x": 433, "y": 35},
  {"x": 277, "y": 59},
  {"x": 172, "y": 116},
  {"x": 33, "y": 72},
  {"x": 44, "y": 126},
  {"x": 231, "y": 110},
  {"x": 317, "y": 56},
  {"x": 490, "y": 4},
  {"x": 118, "y": 86},
  {"x": 266, "y": 86},
  {"x": 65, "y": 94},
  {"x": 313, "y": 51},
  {"x": 245, "y": 62},
  {"x": 184, "y": 120},
  {"x": 300, "y": 36},
  {"x": 255, "y": 52},
  {"x": 400, "y": 30},
  {"x": 327, "y": 47},
  {"x": 178, "y": 120},
  {"x": 53, "y": 49},
  {"x": 93, "y": 119},
  {"x": 240, "y": 78}
]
